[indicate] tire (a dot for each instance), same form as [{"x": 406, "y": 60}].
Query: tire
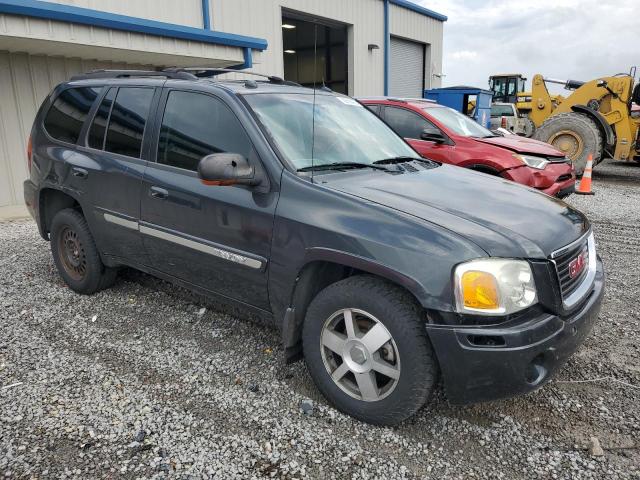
[
  {"x": 407, "y": 355},
  {"x": 574, "y": 134},
  {"x": 76, "y": 256},
  {"x": 529, "y": 127}
]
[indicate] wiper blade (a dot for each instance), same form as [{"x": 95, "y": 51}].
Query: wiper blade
[
  {"x": 394, "y": 160},
  {"x": 340, "y": 165}
]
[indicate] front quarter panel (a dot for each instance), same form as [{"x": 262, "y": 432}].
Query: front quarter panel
[{"x": 315, "y": 223}]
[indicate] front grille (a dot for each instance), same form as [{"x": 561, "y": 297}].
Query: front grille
[{"x": 563, "y": 262}]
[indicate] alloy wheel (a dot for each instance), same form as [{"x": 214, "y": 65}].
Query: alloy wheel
[{"x": 360, "y": 354}]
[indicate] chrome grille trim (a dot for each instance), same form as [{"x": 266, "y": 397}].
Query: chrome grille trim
[{"x": 577, "y": 293}]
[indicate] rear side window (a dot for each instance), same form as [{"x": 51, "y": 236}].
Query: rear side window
[
  {"x": 195, "y": 125},
  {"x": 406, "y": 123},
  {"x": 127, "y": 120},
  {"x": 99, "y": 125},
  {"x": 68, "y": 113},
  {"x": 374, "y": 108}
]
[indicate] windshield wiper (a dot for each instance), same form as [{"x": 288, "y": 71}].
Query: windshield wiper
[
  {"x": 341, "y": 165},
  {"x": 394, "y": 160}
]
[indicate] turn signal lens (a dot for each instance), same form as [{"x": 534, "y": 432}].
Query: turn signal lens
[{"x": 479, "y": 290}]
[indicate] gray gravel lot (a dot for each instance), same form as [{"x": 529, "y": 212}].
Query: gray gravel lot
[{"x": 136, "y": 382}]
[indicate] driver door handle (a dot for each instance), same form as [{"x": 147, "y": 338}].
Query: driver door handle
[{"x": 159, "y": 193}]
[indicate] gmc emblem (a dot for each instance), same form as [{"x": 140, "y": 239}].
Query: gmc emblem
[{"x": 577, "y": 265}]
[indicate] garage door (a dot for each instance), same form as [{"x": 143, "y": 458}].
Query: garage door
[{"x": 406, "y": 68}]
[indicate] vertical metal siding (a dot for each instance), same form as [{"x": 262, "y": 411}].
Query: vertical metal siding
[
  {"x": 26, "y": 80},
  {"x": 366, "y": 69},
  {"x": 181, "y": 12},
  {"x": 412, "y": 26}
]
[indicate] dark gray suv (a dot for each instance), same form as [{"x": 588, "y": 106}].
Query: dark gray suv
[{"x": 384, "y": 269}]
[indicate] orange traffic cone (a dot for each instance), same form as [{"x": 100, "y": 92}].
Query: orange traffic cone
[{"x": 585, "y": 183}]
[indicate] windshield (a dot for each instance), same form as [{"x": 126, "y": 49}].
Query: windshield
[
  {"x": 459, "y": 123},
  {"x": 501, "y": 111},
  {"x": 345, "y": 131}
]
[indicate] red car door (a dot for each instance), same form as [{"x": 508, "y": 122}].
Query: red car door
[{"x": 410, "y": 125}]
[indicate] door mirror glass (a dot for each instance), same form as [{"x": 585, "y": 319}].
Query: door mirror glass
[
  {"x": 432, "y": 134},
  {"x": 227, "y": 169}
]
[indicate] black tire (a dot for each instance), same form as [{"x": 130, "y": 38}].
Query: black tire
[
  {"x": 403, "y": 318},
  {"x": 581, "y": 138},
  {"x": 76, "y": 256},
  {"x": 529, "y": 127}
]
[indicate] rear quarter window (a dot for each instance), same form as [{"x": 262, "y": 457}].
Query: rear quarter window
[{"x": 68, "y": 113}]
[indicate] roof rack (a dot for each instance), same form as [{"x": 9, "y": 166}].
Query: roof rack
[
  {"x": 206, "y": 72},
  {"x": 133, "y": 73}
]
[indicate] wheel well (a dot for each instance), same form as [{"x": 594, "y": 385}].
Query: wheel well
[
  {"x": 51, "y": 202},
  {"x": 314, "y": 277}
]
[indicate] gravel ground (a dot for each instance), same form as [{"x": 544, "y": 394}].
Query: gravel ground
[{"x": 139, "y": 381}]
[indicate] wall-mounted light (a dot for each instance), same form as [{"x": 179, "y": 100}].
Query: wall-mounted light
[
  {"x": 372, "y": 46},
  {"x": 289, "y": 51},
  {"x": 288, "y": 26}
]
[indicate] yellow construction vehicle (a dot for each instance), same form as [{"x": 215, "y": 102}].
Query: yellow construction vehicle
[{"x": 596, "y": 118}]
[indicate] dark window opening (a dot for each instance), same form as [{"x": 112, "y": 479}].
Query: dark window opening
[
  {"x": 68, "y": 113},
  {"x": 195, "y": 125},
  {"x": 311, "y": 59}
]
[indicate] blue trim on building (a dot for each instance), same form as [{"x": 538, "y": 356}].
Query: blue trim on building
[
  {"x": 418, "y": 9},
  {"x": 206, "y": 15},
  {"x": 248, "y": 60},
  {"x": 387, "y": 46},
  {"x": 86, "y": 16}
]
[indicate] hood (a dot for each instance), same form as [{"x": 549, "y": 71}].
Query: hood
[
  {"x": 504, "y": 218},
  {"x": 520, "y": 144}
]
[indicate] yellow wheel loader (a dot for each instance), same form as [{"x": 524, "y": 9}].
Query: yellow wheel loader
[{"x": 596, "y": 118}]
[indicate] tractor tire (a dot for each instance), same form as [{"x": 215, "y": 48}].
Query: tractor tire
[
  {"x": 574, "y": 134},
  {"x": 529, "y": 127}
]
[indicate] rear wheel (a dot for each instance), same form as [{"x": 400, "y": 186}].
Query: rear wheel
[
  {"x": 529, "y": 128},
  {"x": 367, "y": 350},
  {"x": 574, "y": 134},
  {"x": 75, "y": 254}
]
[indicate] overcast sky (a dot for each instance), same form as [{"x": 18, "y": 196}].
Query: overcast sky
[{"x": 565, "y": 39}]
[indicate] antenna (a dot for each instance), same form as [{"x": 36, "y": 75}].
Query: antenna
[{"x": 313, "y": 112}]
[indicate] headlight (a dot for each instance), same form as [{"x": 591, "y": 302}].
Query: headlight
[
  {"x": 494, "y": 286},
  {"x": 532, "y": 161}
]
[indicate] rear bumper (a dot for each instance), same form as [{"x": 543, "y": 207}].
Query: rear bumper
[
  {"x": 31, "y": 198},
  {"x": 556, "y": 180},
  {"x": 523, "y": 357}
]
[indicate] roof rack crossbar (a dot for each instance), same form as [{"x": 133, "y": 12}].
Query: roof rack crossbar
[
  {"x": 204, "y": 72},
  {"x": 133, "y": 73}
]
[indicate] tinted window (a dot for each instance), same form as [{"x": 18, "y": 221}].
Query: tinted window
[
  {"x": 128, "y": 117},
  {"x": 66, "y": 116},
  {"x": 99, "y": 125},
  {"x": 406, "y": 123},
  {"x": 195, "y": 125},
  {"x": 374, "y": 108}
]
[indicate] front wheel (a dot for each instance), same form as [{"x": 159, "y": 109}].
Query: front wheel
[{"x": 366, "y": 349}]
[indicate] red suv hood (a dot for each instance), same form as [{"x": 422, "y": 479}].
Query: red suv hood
[{"x": 520, "y": 144}]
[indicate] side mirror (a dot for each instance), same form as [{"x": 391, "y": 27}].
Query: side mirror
[
  {"x": 432, "y": 135},
  {"x": 227, "y": 169}
]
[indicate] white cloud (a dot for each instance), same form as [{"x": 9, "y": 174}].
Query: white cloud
[{"x": 567, "y": 39}]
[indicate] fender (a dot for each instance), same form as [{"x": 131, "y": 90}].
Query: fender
[
  {"x": 43, "y": 216},
  {"x": 310, "y": 281},
  {"x": 605, "y": 128}
]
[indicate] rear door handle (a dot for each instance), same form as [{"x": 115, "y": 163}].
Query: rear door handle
[
  {"x": 79, "y": 172},
  {"x": 157, "y": 192}
]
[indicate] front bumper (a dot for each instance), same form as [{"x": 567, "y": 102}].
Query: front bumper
[
  {"x": 487, "y": 363},
  {"x": 556, "y": 180}
]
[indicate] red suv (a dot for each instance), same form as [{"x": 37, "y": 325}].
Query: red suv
[{"x": 440, "y": 133}]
